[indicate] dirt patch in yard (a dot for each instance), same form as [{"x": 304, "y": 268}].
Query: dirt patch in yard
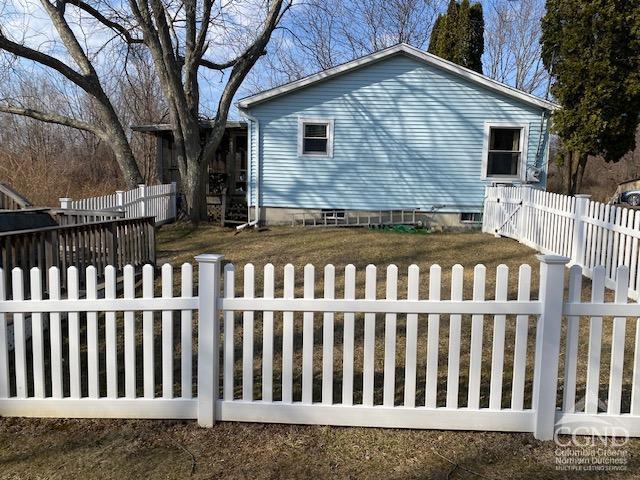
[{"x": 101, "y": 449}]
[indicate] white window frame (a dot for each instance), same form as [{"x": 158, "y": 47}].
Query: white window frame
[
  {"x": 524, "y": 140},
  {"x": 317, "y": 120}
]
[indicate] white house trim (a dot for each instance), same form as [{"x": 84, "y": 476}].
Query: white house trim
[
  {"x": 253, "y": 123},
  {"x": 410, "y": 51},
  {"x": 321, "y": 120},
  {"x": 524, "y": 142}
]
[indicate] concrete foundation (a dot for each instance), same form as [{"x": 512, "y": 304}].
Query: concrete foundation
[{"x": 316, "y": 217}]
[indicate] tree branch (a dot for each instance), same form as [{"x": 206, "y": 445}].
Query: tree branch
[
  {"x": 251, "y": 50},
  {"x": 43, "y": 59},
  {"x": 105, "y": 21},
  {"x": 240, "y": 70},
  {"x": 69, "y": 39},
  {"x": 202, "y": 34},
  {"x": 203, "y": 62},
  {"x": 52, "y": 118}
]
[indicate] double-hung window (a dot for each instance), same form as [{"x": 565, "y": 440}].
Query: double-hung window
[
  {"x": 315, "y": 137},
  {"x": 504, "y": 152}
]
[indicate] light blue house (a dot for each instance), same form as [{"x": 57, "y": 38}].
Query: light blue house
[{"x": 399, "y": 129}]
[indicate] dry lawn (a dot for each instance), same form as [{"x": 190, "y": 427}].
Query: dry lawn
[{"x": 32, "y": 448}]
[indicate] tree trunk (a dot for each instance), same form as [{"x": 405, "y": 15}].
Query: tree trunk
[
  {"x": 566, "y": 175},
  {"x": 196, "y": 168},
  {"x": 194, "y": 185},
  {"x": 117, "y": 139},
  {"x": 125, "y": 159},
  {"x": 582, "y": 165},
  {"x": 580, "y": 162}
]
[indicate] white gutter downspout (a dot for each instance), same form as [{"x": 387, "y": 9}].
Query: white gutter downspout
[{"x": 255, "y": 221}]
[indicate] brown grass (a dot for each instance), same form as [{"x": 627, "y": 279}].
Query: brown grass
[
  {"x": 360, "y": 247},
  {"x": 128, "y": 449},
  {"x": 44, "y": 181}
]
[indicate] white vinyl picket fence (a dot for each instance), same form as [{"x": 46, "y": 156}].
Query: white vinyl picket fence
[
  {"x": 403, "y": 354},
  {"x": 589, "y": 233},
  {"x": 157, "y": 201}
]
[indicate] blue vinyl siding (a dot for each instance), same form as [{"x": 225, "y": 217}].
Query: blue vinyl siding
[{"x": 406, "y": 135}]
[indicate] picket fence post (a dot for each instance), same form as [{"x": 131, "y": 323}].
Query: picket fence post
[
  {"x": 208, "y": 336},
  {"x": 141, "y": 199},
  {"x": 65, "y": 202},
  {"x": 485, "y": 209},
  {"x": 120, "y": 200},
  {"x": 577, "y": 247},
  {"x": 547, "y": 353}
]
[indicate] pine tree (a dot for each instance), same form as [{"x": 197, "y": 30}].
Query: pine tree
[
  {"x": 457, "y": 35},
  {"x": 477, "y": 37},
  {"x": 443, "y": 37},
  {"x": 436, "y": 35},
  {"x": 592, "y": 49},
  {"x": 462, "y": 49}
]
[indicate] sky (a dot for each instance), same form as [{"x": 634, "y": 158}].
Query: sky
[
  {"x": 263, "y": 76},
  {"x": 26, "y": 21}
]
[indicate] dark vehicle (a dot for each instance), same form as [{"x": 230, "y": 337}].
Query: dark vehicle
[{"x": 628, "y": 192}]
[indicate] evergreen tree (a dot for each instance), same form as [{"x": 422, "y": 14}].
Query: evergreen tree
[
  {"x": 457, "y": 35},
  {"x": 592, "y": 49},
  {"x": 435, "y": 38},
  {"x": 476, "y": 37},
  {"x": 462, "y": 48}
]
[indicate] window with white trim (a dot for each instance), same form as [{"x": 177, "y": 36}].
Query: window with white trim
[
  {"x": 504, "y": 152},
  {"x": 315, "y": 137}
]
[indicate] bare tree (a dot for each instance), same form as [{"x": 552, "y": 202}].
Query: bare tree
[
  {"x": 46, "y": 161},
  {"x": 324, "y": 34},
  {"x": 181, "y": 38},
  {"x": 512, "y": 46},
  {"x": 139, "y": 100},
  {"x": 83, "y": 76},
  {"x": 377, "y": 24}
]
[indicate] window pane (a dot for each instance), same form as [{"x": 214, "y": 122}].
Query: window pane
[
  {"x": 503, "y": 163},
  {"x": 315, "y": 145},
  {"x": 315, "y": 130},
  {"x": 471, "y": 217},
  {"x": 505, "y": 139}
]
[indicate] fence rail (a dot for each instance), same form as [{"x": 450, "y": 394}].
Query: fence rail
[
  {"x": 157, "y": 201},
  {"x": 313, "y": 351},
  {"x": 11, "y": 200},
  {"x": 589, "y": 233},
  {"x": 68, "y": 216}
]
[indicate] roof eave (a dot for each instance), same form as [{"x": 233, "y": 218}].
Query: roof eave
[
  {"x": 252, "y": 100},
  {"x": 166, "y": 127}
]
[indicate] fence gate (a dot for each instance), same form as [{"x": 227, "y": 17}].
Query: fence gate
[{"x": 503, "y": 211}]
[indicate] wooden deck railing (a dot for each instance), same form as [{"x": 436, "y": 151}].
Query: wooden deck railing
[
  {"x": 10, "y": 199},
  {"x": 119, "y": 242},
  {"x": 69, "y": 216}
]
